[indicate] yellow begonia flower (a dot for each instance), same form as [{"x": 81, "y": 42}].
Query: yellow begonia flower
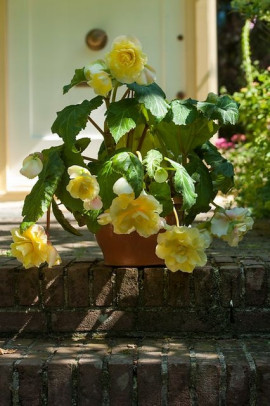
[
  {"x": 31, "y": 248},
  {"x": 95, "y": 67},
  {"x": 104, "y": 218},
  {"x": 182, "y": 248},
  {"x": 231, "y": 225},
  {"x": 83, "y": 185},
  {"x": 101, "y": 83},
  {"x": 126, "y": 60},
  {"x": 142, "y": 214}
]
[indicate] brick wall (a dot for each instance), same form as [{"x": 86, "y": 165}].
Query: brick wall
[{"x": 228, "y": 296}]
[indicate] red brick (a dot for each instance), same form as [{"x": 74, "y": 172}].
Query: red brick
[
  {"x": 262, "y": 362},
  {"x": 127, "y": 289},
  {"x": 252, "y": 321},
  {"x": 30, "y": 381},
  {"x": 238, "y": 379},
  {"x": 179, "y": 369},
  {"x": 90, "y": 380},
  {"x": 92, "y": 320},
  {"x": 7, "y": 286},
  {"x": 102, "y": 286},
  {"x": 149, "y": 379},
  {"x": 22, "y": 322},
  {"x": 28, "y": 286},
  {"x": 120, "y": 369},
  {"x": 207, "y": 378},
  {"x": 256, "y": 288},
  {"x": 53, "y": 286},
  {"x": 205, "y": 293},
  {"x": 182, "y": 321},
  {"x": 230, "y": 285},
  {"x": 6, "y": 369},
  {"x": 60, "y": 381},
  {"x": 78, "y": 286},
  {"x": 153, "y": 286},
  {"x": 178, "y": 289}
]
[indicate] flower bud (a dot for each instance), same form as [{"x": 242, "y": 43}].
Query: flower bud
[
  {"x": 32, "y": 165},
  {"x": 161, "y": 175},
  {"x": 122, "y": 186}
]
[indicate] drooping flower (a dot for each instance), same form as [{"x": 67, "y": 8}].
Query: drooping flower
[
  {"x": 82, "y": 185},
  {"x": 182, "y": 248},
  {"x": 32, "y": 165},
  {"x": 32, "y": 248},
  {"x": 231, "y": 225},
  {"x": 126, "y": 60},
  {"x": 128, "y": 214},
  {"x": 101, "y": 83}
]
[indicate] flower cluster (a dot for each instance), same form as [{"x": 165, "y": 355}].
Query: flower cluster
[
  {"x": 154, "y": 153},
  {"x": 223, "y": 143}
]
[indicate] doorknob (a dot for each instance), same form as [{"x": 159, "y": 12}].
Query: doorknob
[{"x": 96, "y": 39}]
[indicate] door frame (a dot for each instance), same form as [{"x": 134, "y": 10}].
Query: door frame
[{"x": 201, "y": 43}]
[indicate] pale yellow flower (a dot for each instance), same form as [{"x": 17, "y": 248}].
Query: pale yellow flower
[
  {"x": 82, "y": 185},
  {"x": 104, "y": 218},
  {"x": 182, "y": 248},
  {"x": 142, "y": 214},
  {"x": 32, "y": 165},
  {"x": 126, "y": 60},
  {"x": 231, "y": 225},
  {"x": 101, "y": 83},
  {"x": 147, "y": 76},
  {"x": 95, "y": 67},
  {"x": 31, "y": 248}
]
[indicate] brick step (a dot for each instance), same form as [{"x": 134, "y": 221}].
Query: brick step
[
  {"x": 225, "y": 297},
  {"x": 144, "y": 372}
]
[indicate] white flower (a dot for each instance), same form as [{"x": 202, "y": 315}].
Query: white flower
[
  {"x": 32, "y": 165},
  {"x": 231, "y": 225},
  {"x": 122, "y": 186}
]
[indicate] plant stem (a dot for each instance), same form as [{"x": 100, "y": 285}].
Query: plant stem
[
  {"x": 48, "y": 221},
  {"x": 95, "y": 125},
  {"x": 125, "y": 94},
  {"x": 176, "y": 216},
  {"x": 142, "y": 137},
  {"x": 114, "y": 92},
  {"x": 247, "y": 63}
]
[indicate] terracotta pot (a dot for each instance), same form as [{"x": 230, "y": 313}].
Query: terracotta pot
[{"x": 127, "y": 249}]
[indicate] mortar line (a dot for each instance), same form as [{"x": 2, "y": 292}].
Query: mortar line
[{"x": 253, "y": 377}]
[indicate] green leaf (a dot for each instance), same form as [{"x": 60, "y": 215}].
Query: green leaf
[
  {"x": 162, "y": 192},
  {"x": 182, "y": 139},
  {"x": 58, "y": 214},
  {"x": 183, "y": 112},
  {"x": 121, "y": 164},
  {"x": 122, "y": 117},
  {"x": 184, "y": 184},
  {"x": 82, "y": 144},
  {"x": 72, "y": 119},
  {"x": 222, "y": 170},
  {"x": 77, "y": 78},
  {"x": 203, "y": 187},
  {"x": 25, "y": 225},
  {"x": 221, "y": 108},
  {"x": 153, "y": 99},
  {"x": 91, "y": 220},
  {"x": 152, "y": 161},
  {"x": 40, "y": 197}
]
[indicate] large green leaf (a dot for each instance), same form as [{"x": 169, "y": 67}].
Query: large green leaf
[
  {"x": 222, "y": 170},
  {"x": 221, "y": 108},
  {"x": 152, "y": 161},
  {"x": 153, "y": 99},
  {"x": 121, "y": 164},
  {"x": 184, "y": 184},
  {"x": 183, "y": 111},
  {"x": 40, "y": 197},
  {"x": 77, "y": 78},
  {"x": 58, "y": 214},
  {"x": 162, "y": 192},
  {"x": 182, "y": 139},
  {"x": 72, "y": 119},
  {"x": 122, "y": 117}
]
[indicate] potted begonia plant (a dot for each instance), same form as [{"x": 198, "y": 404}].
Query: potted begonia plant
[{"x": 156, "y": 170}]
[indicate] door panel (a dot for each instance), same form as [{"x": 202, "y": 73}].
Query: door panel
[{"x": 46, "y": 42}]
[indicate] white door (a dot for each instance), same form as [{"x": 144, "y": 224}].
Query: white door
[{"x": 46, "y": 42}]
